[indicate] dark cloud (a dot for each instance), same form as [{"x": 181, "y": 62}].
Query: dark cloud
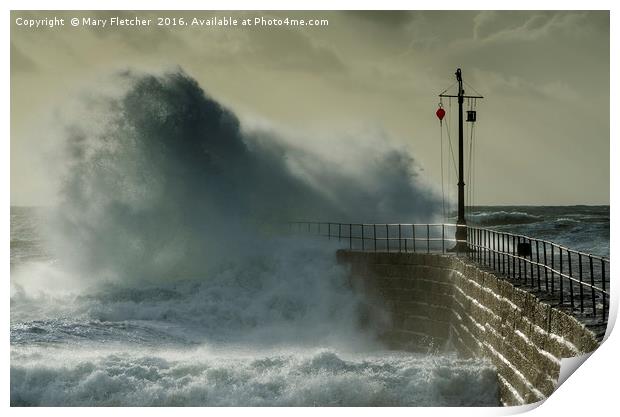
[{"x": 391, "y": 18}]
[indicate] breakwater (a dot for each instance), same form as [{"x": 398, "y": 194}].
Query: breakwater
[{"x": 436, "y": 302}]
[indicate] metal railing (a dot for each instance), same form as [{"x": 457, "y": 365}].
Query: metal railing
[{"x": 574, "y": 279}]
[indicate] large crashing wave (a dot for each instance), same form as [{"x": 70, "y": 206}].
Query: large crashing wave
[{"x": 166, "y": 182}]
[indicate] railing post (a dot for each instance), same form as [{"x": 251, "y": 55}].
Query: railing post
[
  {"x": 413, "y": 236},
  {"x": 580, "y": 284},
  {"x": 570, "y": 280},
  {"x": 329, "y": 231},
  {"x": 522, "y": 259},
  {"x": 508, "y": 254},
  {"x": 374, "y": 235},
  {"x": 443, "y": 237},
  {"x": 406, "y": 249},
  {"x": 561, "y": 278},
  {"x": 468, "y": 238},
  {"x": 363, "y": 238},
  {"x": 399, "y": 239},
  {"x": 546, "y": 266},
  {"x": 603, "y": 286},
  {"x": 498, "y": 251},
  {"x": 387, "y": 237},
  {"x": 475, "y": 242},
  {"x": 492, "y": 236},
  {"x": 490, "y": 248},
  {"x": 503, "y": 249},
  {"x": 538, "y": 264},
  {"x": 491, "y": 253},
  {"x": 479, "y": 244},
  {"x": 484, "y": 247},
  {"x": 428, "y": 240},
  {"x": 467, "y": 241},
  {"x": 553, "y": 269},
  {"x": 483, "y": 243},
  {"x": 350, "y": 236},
  {"x": 592, "y": 288},
  {"x": 501, "y": 257},
  {"x": 514, "y": 259},
  {"x": 531, "y": 262}
]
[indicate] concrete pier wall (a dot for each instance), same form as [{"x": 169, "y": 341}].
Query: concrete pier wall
[{"x": 438, "y": 302}]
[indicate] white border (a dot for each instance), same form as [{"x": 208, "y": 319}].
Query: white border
[{"x": 591, "y": 390}]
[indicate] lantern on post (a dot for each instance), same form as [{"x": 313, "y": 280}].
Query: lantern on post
[{"x": 471, "y": 115}]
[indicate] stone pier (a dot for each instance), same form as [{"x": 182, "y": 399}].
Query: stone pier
[{"x": 437, "y": 302}]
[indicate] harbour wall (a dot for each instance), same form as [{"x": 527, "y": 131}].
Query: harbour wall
[{"x": 434, "y": 303}]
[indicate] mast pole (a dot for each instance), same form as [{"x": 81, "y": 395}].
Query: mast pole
[
  {"x": 461, "y": 232},
  {"x": 461, "y": 226}
]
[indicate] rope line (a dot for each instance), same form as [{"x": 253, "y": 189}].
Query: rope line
[
  {"x": 443, "y": 197},
  {"x": 450, "y": 138},
  {"x": 473, "y": 171},
  {"x": 470, "y": 169},
  {"x": 444, "y": 91},
  {"x": 467, "y": 84}
]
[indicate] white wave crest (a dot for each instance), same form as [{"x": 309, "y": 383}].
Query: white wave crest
[{"x": 285, "y": 378}]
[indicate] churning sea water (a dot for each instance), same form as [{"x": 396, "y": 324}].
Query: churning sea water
[
  {"x": 247, "y": 377},
  {"x": 268, "y": 332},
  {"x": 583, "y": 228},
  {"x": 264, "y": 332}
]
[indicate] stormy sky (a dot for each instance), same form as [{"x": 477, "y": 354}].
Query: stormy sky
[{"x": 542, "y": 135}]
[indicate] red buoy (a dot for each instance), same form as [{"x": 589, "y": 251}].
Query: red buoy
[{"x": 440, "y": 113}]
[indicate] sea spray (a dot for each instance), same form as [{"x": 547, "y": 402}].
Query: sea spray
[
  {"x": 166, "y": 183},
  {"x": 297, "y": 294}
]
